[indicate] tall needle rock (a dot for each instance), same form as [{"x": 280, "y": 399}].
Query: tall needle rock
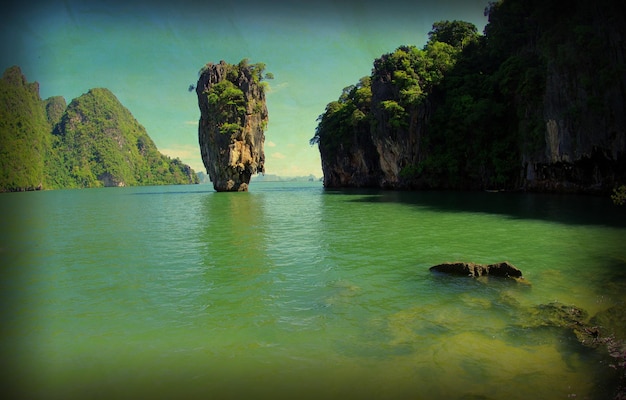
[{"x": 233, "y": 118}]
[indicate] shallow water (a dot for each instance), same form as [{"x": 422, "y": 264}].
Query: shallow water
[{"x": 292, "y": 290}]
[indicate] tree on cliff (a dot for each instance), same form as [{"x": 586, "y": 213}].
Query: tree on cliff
[
  {"x": 233, "y": 117},
  {"x": 457, "y": 34},
  {"x": 94, "y": 141},
  {"x": 619, "y": 195},
  {"x": 104, "y": 145},
  {"x": 24, "y": 133},
  {"x": 536, "y": 102},
  {"x": 387, "y": 107}
]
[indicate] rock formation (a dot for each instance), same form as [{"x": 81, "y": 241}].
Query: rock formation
[
  {"x": 233, "y": 117},
  {"x": 503, "y": 269},
  {"x": 94, "y": 141},
  {"x": 537, "y": 105}
]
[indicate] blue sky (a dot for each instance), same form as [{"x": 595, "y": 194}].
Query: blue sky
[{"x": 149, "y": 52}]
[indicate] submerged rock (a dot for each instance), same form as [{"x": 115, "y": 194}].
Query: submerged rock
[
  {"x": 558, "y": 315},
  {"x": 233, "y": 117},
  {"x": 611, "y": 322},
  {"x": 503, "y": 269}
]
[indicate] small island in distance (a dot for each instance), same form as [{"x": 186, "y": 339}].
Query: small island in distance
[{"x": 203, "y": 178}]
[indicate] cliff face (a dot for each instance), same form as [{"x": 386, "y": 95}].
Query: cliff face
[
  {"x": 356, "y": 165},
  {"x": 584, "y": 107},
  {"x": 233, "y": 117},
  {"x": 378, "y": 149},
  {"x": 397, "y": 144},
  {"x": 536, "y": 103}
]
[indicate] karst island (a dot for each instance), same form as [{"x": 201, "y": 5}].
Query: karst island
[{"x": 233, "y": 118}]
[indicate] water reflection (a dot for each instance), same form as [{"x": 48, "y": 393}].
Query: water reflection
[{"x": 235, "y": 257}]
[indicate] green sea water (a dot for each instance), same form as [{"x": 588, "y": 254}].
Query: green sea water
[{"x": 291, "y": 291}]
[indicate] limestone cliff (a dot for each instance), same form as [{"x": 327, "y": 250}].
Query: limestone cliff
[
  {"x": 233, "y": 117},
  {"x": 536, "y": 103},
  {"x": 92, "y": 142},
  {"x": 583, "y": 106}
]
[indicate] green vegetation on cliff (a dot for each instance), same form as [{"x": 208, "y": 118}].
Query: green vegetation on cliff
[
  {"x": 227, "y": 101},
  {"x": 382, "y": 115},
  {"x": 233, "y": 118},
  {"x": 94, "y": 141},
  {"x": 101, "y": 144},
  {"x": 536, "y": 102},
  {"x": 24, "y": 133}
]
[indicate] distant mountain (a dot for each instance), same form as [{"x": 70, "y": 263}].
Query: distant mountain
[
  {"x": 204, "y": 178},
  {"x": 94, "y": 141},
  {"x": 276, "y": 178}
]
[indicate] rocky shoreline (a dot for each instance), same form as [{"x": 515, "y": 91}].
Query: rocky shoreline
[{"x": 605, "y": 332}]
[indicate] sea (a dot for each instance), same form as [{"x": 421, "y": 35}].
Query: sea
[{"x": 293, "y": 291}]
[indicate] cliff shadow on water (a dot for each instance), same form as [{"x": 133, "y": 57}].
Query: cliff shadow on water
[
  {"x": 587, "y": 229},
  {"x": 560, "y": 208}
]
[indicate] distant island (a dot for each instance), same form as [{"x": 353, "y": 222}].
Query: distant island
[
  {"x": 277, "y": 178},
  {"x": 203, "y": 178},
  {"x": 536, "y": 103},
  {"x": 93, "y": 142}
]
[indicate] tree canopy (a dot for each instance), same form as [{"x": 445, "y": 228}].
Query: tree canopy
[
  {"x": 93, "y": 141},
  {"x": 471, "y": 111}
]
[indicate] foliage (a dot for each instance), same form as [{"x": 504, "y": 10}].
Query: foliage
[
  {"x": 95, "y": 141},
  {"x": 467, "y": 142},
  {"x": 228, "y": 106},
  {"x": 344, "y": 118},
  {"x": 619, "y": 195},
  {"x": 256, "y": 71},
  {"x": 457, "y": 34},
  {"x": 227, "y": 102},
  {"x": 24, "y": 137},
  {"x": 55, "y": 107},
  {"x": 414, "y": 72},
  {"x": 481, "y": 97}
]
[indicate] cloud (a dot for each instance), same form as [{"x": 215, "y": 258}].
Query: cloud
[
  {"x": 292, "y": 170},
  {"x": 279, "y": 156},
  {"x": 277, "y": 88},
  {"x": 191, "y": 122},
  {"x": 188, "y": 154},
  {"x": 182, "y": 151},
  {"x": 270, "y": 144}
]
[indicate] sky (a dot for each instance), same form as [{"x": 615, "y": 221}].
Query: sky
[{"x": 149, "y": 52}]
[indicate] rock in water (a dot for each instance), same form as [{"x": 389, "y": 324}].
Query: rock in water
[
  {"x": 233, "y": 117},
  {"x": 503, "y": 269}
]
